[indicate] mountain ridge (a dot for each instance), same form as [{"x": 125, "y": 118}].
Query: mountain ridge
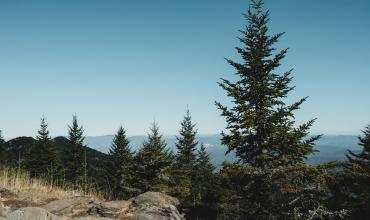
[{"x": 331, "y": 147}]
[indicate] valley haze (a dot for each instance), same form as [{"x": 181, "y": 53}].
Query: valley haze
[{"x": 330, "y": 147}]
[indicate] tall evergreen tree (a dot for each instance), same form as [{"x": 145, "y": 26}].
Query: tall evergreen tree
[
  {"x": 261, "y": 125},
  {"x": 183, "y": 169},
  {"x": 271, "y": 179},
  {"x": 120, "y": 167},
  {"x": 43, "y": 159},
  {"x": 76, "y": 168},
  {"x": 152, "y": 163}
]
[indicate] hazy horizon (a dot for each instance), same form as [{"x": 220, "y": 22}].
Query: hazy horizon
[
  {"x": 132, "y": 62},
  {"x": 166, "y": 135}
]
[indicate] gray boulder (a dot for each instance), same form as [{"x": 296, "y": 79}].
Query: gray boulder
[
  {"x": 115, "y": 209},
  {"x": 155, "y": 199},
  {"x": 92, "y": 218},
  {"x": 4, "y": 211},
  {"x": 75, "y": 206},
  {"x": 156, "y": 213},
  {"x": 32, "y": 213},
  {"x": 147, "y": 206},
  {"x": 155, "y": 206}
]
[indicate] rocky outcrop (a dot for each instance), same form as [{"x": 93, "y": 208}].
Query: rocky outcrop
[
  {"x": 147, "y": 206},
  {"x": 156, "y": 206},
  {"x": 32, "y": 213},
  {"x": 75, "y": 206},
  {"x": 112, "y": 209},
  {"x": 4, "y": 211}
]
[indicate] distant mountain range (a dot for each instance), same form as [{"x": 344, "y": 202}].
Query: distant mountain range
[{"x": 331, "y": 147}]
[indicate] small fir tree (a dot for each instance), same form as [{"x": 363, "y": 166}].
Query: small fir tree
[
  {"x": 43, "y": 159},
  {"x": 152, "y": 163},
  {"x": 186, "y": 143},
  {"x": 76, "y": 169},
  {"x": 183, "y": 169},
  {"x": 120, "y": 167}
]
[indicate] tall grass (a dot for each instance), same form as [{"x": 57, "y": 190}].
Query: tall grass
[{"x": 35, "y": 190}]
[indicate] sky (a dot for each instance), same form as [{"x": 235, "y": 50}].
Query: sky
[{"x": 126, "y": 62}]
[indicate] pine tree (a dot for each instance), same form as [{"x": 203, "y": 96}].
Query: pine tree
[
  {"x": 270, "y": 179},
  {"x": 2, "y": 149},
  {"x": 76, "y": 169},
  {"x": 362, "y": 159},
  {"x": 183, "y": 168},
  {"x": 152, "y": 163},
  {"x": 353, "y": 186},
  {"x": 204, "y": 182},
  {"x": 120, "y": 168},
  {"x": 186, "y": 143},
  {"x": 43, "y": 159},
  {"x": 261, "y": 125}
]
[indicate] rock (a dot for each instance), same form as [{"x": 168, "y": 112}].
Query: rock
[
  {"x": 155, "y": 198},
  {"x": 155, "y": 206},
  {"x": 19, "y": 203},
  {"x": 75, "y": 206},
  {"x": 147, "y": 206},
  {"x": 156, "y": 213},
  {"x": 114, "y": 209},
  {"x": 92, "y": 218},
  {"x": 4, "y": 211},
  {"x": 32, "y": 213}
]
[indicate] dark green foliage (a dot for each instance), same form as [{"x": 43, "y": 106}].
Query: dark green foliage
[
  {"x": 186, "y": 143},
  {"x": 205, "y": 188},
  {"x": 183, "y": 169},
  {"x": 120, "y": 167},
  {"x": 2, "y": 141},
  {"x": 42, "y": 159},
  {"x": 75, "y": 169},
  {"x": 17, "y": 151},
  {"x": 294, "y": 192},
  {"x": 205, "y": 180},
  {"x": 96, "y": 171},
  {"x": 2, "y": 149},
  {"x": 152, "y": 163},
  {"x": 352, "y": 186},
  {"x": 362, "y": 159},
  {"x": 270, "y": 180},
  {"x": 261, "y": 125}
]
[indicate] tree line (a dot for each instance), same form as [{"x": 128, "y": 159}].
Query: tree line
[
  {"x": 187, "y": 174},
  {"x": 269, "y": 180}
]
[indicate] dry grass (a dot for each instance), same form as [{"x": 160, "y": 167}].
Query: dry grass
[{"x": 34, "y": 191}]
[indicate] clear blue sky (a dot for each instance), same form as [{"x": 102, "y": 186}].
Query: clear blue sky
[{"x": 128, "y": 62}]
